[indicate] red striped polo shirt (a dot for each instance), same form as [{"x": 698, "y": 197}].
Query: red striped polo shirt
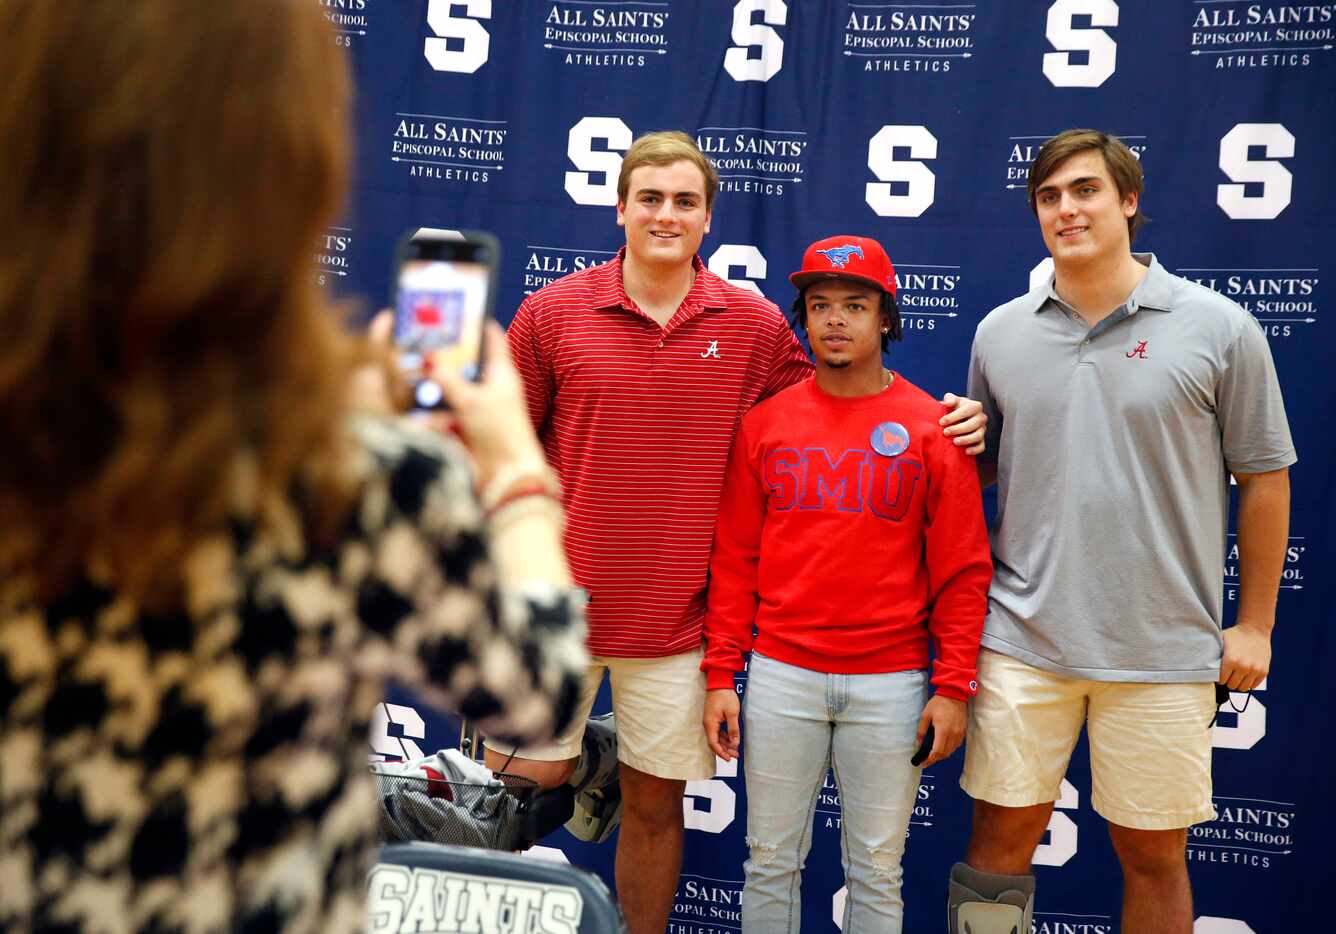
[{"x": 638, "y": 419}]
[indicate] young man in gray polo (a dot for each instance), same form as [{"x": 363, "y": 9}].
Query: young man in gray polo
[{"x": 1120, "y": 399}]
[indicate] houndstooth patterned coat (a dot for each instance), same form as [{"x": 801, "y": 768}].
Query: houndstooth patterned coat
[{"x": 207, "y": 770}]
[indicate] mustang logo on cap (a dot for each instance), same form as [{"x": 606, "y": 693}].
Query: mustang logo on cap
[{"x": 839, "y": 255}]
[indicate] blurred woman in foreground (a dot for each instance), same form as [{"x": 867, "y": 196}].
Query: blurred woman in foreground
[{"x": 208, "y": 566}]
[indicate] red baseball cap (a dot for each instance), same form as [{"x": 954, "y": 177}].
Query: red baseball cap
[{"x": 845, "y": 257}]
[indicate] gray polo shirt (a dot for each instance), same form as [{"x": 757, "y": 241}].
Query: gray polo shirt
[{"x": 1114, "y": 446}]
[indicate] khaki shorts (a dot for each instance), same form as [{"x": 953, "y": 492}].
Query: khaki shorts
[
  {"x": 659, "y": 704},
  {"x": 1150, "y": 749}
]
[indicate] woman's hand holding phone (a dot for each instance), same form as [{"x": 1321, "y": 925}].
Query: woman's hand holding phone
[
  {"x": 489, "y": 415},
  {"x": 491, "y": 418}
]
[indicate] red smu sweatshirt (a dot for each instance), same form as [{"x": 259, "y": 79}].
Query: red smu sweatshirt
[{"x": 850, "y": 533}]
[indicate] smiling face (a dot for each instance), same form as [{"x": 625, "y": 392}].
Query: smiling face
[
  {"x": 1081, "y": 215},
  {"x": 664, "y": 214},
  {"x": 844, "y": 323}
]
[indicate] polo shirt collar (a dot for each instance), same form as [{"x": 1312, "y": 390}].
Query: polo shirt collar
[
  {"x": 707, "y": 292},
  {"x": 1155, "y": 290},
  {"x": 608, "y": 291}
]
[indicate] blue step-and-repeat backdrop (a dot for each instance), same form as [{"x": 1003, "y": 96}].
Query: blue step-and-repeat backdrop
[{"x": 913, "y": 122}]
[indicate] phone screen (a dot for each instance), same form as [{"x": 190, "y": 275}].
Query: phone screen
[{"x": 440, "y": 309}]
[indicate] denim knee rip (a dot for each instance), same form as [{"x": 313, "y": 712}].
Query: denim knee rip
[
  {"x": 885, "y": 862},
  {"x": 762, "y": 853}
]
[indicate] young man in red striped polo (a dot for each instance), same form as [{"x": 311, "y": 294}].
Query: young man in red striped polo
[{"x": 638, "y": 372}]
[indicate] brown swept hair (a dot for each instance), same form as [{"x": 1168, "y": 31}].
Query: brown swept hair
[
  {"x": 1123, "y": 166},
  {"x": 664, "y": 147},
  {"x": 166, "y": 171}
]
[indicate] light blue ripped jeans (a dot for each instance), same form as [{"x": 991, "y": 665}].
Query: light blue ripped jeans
[{"x": 797, "y": 723}]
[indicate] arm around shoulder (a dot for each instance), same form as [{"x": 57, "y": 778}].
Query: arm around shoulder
[{"x": 788, "y": 362}]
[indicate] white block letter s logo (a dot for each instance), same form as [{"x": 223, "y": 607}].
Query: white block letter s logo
[
  {"x": 730, "y": 255},
  {"x": 383, "y": 745},
  {"x": 1062, "y": 833},
  {"x": 1249, "y": 723},
  {"x": 722, "y": 800},
  {"x": 747, "y": 34},
  {"x": 881, "y": 160},
  {"x": 1276, "y": 180},
  {"x": 475, "y": 39},
  {"x": 1098, "y": 45},
  {"x": 580, "y": 150},
  {"x": 837, "y": 904}
]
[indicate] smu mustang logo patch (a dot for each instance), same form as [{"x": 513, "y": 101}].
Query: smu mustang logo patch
[
  {"x": 890, "y": 439},
  {"x": 839, "y": 255}
]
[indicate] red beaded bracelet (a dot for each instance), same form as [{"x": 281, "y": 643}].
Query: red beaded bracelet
[{"x": 521, "y": 491}]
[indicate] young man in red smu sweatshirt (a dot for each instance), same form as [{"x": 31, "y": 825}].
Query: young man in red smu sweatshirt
[{"x": 851, "y": 537}]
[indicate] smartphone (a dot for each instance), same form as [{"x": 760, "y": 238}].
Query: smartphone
[{"x": 444, "y": 292}]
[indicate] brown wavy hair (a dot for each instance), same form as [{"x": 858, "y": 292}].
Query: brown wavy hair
[{"x": 166, "y": 171}]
